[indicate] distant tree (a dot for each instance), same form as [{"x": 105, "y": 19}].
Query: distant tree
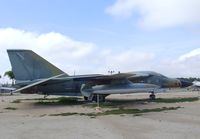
[
  {"x": 10, "y": 75},
  {"x": 190, "y": 79}
]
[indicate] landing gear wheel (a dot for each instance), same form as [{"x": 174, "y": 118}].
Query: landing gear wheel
[
  {"x": 152, "y": 96},
  {"x": 85, "y": 98}
]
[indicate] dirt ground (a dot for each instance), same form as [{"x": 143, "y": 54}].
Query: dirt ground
[{"x": 27, "y": 119}]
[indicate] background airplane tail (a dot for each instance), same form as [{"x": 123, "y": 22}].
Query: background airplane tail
[{"x": 27, "y": 65}]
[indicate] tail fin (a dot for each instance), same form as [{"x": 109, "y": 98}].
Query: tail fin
[{"x": 27, "y": 65}]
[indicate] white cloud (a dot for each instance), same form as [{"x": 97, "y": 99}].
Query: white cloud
[
  {"x": 15, "y": 38},
  {"x": 190, "y": 62},
  {"x": 127, "y": 60},
  {"x": 186, "y": 65},
  {"x": 54, "y": 46},
  {"x": 192, "y": 54},
  {"x": 85, "y": 58},
  {"x": 155, "y": 14},
  {"x": 69, "y": 54}
]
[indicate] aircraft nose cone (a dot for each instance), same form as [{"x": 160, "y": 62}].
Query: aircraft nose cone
[{"x": 185, "y": 83}]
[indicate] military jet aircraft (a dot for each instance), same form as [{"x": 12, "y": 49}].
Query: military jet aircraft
[{"x": 34, "y": 74}]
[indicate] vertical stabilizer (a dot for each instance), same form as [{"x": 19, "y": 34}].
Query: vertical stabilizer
[{"x": 27, "y": 65}]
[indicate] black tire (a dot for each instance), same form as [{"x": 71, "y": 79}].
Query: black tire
[
  {"x": 152, "y": 97},
  {"x": 85, "y": 98}
]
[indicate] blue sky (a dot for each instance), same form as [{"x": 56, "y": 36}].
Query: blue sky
[{"x": 124, "y": 35}]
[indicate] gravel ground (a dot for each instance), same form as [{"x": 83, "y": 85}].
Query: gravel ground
[{"x": 32, "y": 121}]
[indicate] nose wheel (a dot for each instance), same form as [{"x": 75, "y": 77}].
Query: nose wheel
[{"x": 152, "y": 96}]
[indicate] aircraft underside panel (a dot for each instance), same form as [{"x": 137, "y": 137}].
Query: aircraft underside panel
[{"x": 87, "y": 90}]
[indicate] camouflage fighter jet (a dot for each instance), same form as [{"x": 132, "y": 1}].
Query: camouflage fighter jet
[{"x": 34, "y": 74}]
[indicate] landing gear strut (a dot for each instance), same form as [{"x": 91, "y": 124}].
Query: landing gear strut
[
  {"x": 96, "y": 98},
  {"x": 101, "y": 98},
  {"x": 45, "y": 96},
  {"x": 152, "y": 96}
]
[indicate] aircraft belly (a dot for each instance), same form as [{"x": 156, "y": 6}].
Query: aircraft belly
[
  {"x": 118, "y": 89},
  {"x": 123, "y": 91}
]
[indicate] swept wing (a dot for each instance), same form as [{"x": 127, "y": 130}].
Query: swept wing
[{"x": 111, "y": 81}]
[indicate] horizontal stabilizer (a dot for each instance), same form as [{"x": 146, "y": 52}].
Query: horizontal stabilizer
[{"x": 37, "y": 83}]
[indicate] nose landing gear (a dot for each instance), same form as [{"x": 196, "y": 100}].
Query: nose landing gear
[{"x": 152, "y": 96}]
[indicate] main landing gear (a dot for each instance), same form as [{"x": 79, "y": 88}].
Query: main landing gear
[
  {"x": 152, "y": 96},
  {"x": 100, "y": 98},
  {"x": 95, "y": 98}
]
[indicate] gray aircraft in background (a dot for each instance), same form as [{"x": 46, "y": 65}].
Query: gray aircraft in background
[{"x": 34, "y": 74}]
